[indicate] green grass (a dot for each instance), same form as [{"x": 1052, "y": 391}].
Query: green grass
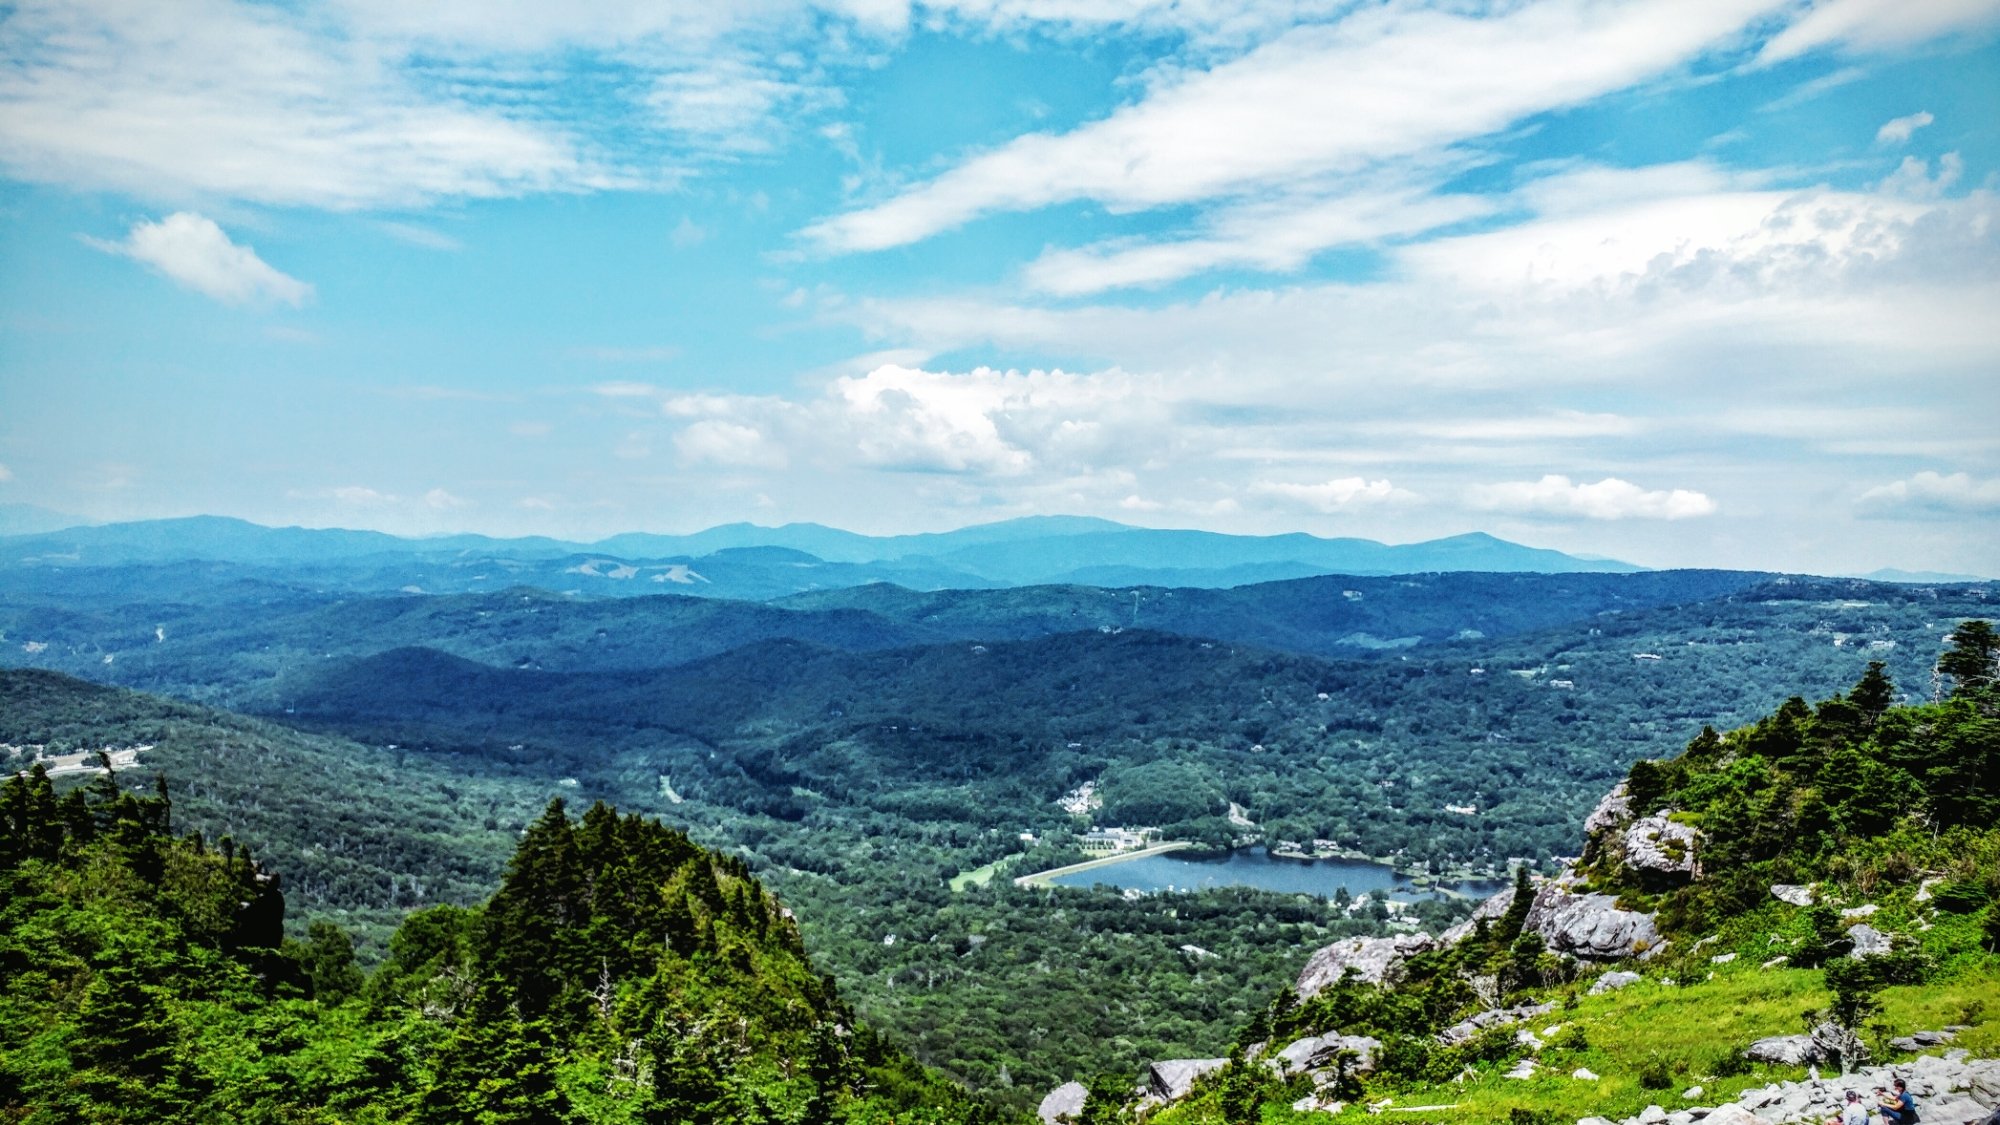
[
  {"x": 978, "y": 876},
  {"x": 1688, "y": 1033}
]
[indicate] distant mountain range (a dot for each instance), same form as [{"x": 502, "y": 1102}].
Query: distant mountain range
[{"x": 746, "y": 561}]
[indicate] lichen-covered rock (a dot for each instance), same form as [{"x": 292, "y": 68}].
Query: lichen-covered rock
[
  {"x": 1170, "y": 1079},
  {"x": 1591, "y": 926},
  {"x": 1064, "y": 1103},
  {"x": 1657, "y": 846},
  {"x": 1868, "y": 941},
  {"x": 1368, "y": 960},
  {"x": 1795, "y": 894}
]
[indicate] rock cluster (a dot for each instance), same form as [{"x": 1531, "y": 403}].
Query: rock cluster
[
  {"x": 1950, "y": 1090},
  {"x": 1493, "y": 1017},
  {"x": 1613, "y": 981}
]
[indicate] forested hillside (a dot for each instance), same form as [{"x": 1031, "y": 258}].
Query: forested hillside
[
  {"x": 619, "y": 974},
  {"x": 1838, "y": 858},
  {"x": 859, "y": 782}
]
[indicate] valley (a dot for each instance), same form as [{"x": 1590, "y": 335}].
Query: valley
[{"x": 869, "y": 752}]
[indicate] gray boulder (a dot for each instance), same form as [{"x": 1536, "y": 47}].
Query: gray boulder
[
  {"x": 1171, "y": 1079},
  {"x": 1368, "y": 960},
  {"x": 1613, "y": 981},
  {"x": 1591, "y": 926},
  {"x": 1922, "y": 1040},
  {"x": 1614, "y": 810},
  {"x": 1064, "y": 1103},
  {"x": 1868, "y": 941},
  {"x": 1795, "y": 894},
  {"x": 1782, "y": 1050},
  {"x": 1654, "y": 845},
  {"x": 1316, "y": 1051}
]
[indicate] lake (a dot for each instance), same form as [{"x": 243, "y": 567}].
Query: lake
[{"x": 1259, "y": 868}]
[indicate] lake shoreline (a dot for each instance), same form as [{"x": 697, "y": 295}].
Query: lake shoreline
[
  {"x": 1254, "y": 867},
  {"x": 1042, "y": 878}
]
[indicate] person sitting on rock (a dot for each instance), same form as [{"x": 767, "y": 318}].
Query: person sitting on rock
[
  {"x": 1854, "y": 1113},
  {"x": 1906, "y": 1106},
  {"x": 1887, "y": 1105}
]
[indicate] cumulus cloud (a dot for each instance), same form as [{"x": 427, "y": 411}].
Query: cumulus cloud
[
  {"x": 1900, "y": 130},
  {"x": 1931, "y": 493},
  {"x": 1608, "y": 499},
  {"x": 195, "y": 253},
  {"x": 437, "y": 499},
  {"x": 716, "y": 442},
  {"x": 1336, "y": 495}
]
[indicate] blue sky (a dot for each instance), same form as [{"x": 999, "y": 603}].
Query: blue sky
[{"x": 1701, "y": 282}]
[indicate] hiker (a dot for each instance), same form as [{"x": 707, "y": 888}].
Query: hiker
[
  {"x": 1855, "y": 1113},
  {"x": 1905, "y": 1111},
  {"x": 1887, "y": 1105}
]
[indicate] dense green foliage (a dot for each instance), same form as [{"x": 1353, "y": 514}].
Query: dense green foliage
[{"x": 619, "y": 974}]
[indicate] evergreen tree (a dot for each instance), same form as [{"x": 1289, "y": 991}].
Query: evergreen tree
[{"x": 1973, "y": 657}]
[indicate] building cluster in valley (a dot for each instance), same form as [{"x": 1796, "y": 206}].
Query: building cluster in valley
[{"x": 24, "y": 758}]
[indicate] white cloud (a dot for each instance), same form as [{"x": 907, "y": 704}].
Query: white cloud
[
  {"x": 1900, "y": 130},
  {"x": 215, "y": 98},
  {"x": 1912, "y": 178},
  {"x": 1932, "y": 493},
  {"x": 1269, "y": 235},
  {"x": 6, "y": 474},
  {"x": 194, "y": 252},
  {"x": 437, "y": 499},
  {"x": 1873, "y": 25},
  {"x": 1608, "y": 499},
  {"x": 1336, "y": 495},
  {"x": 1385, "y": 83},
  {"x": 716, "y": 442}
]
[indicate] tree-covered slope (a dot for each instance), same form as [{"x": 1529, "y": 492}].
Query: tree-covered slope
[
  {"x": 1836, "y": 860},
  {"x": 619, "y": 974}
]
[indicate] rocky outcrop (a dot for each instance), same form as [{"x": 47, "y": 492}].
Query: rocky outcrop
[
  {"x": 1171, "y": 1079},
  {"x": 1368, "y": 960},
  {"x": 1591, "y": 926},
  {"x": 1064, "y": 1103},
  {"x": 1660, "y": 849},
  {"x": 1922, "y": 1040}
]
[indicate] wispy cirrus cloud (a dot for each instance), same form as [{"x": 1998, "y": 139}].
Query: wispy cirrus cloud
[
  {"x": 193, "y": 252},
  {"x": 1383, "y": 84}
]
